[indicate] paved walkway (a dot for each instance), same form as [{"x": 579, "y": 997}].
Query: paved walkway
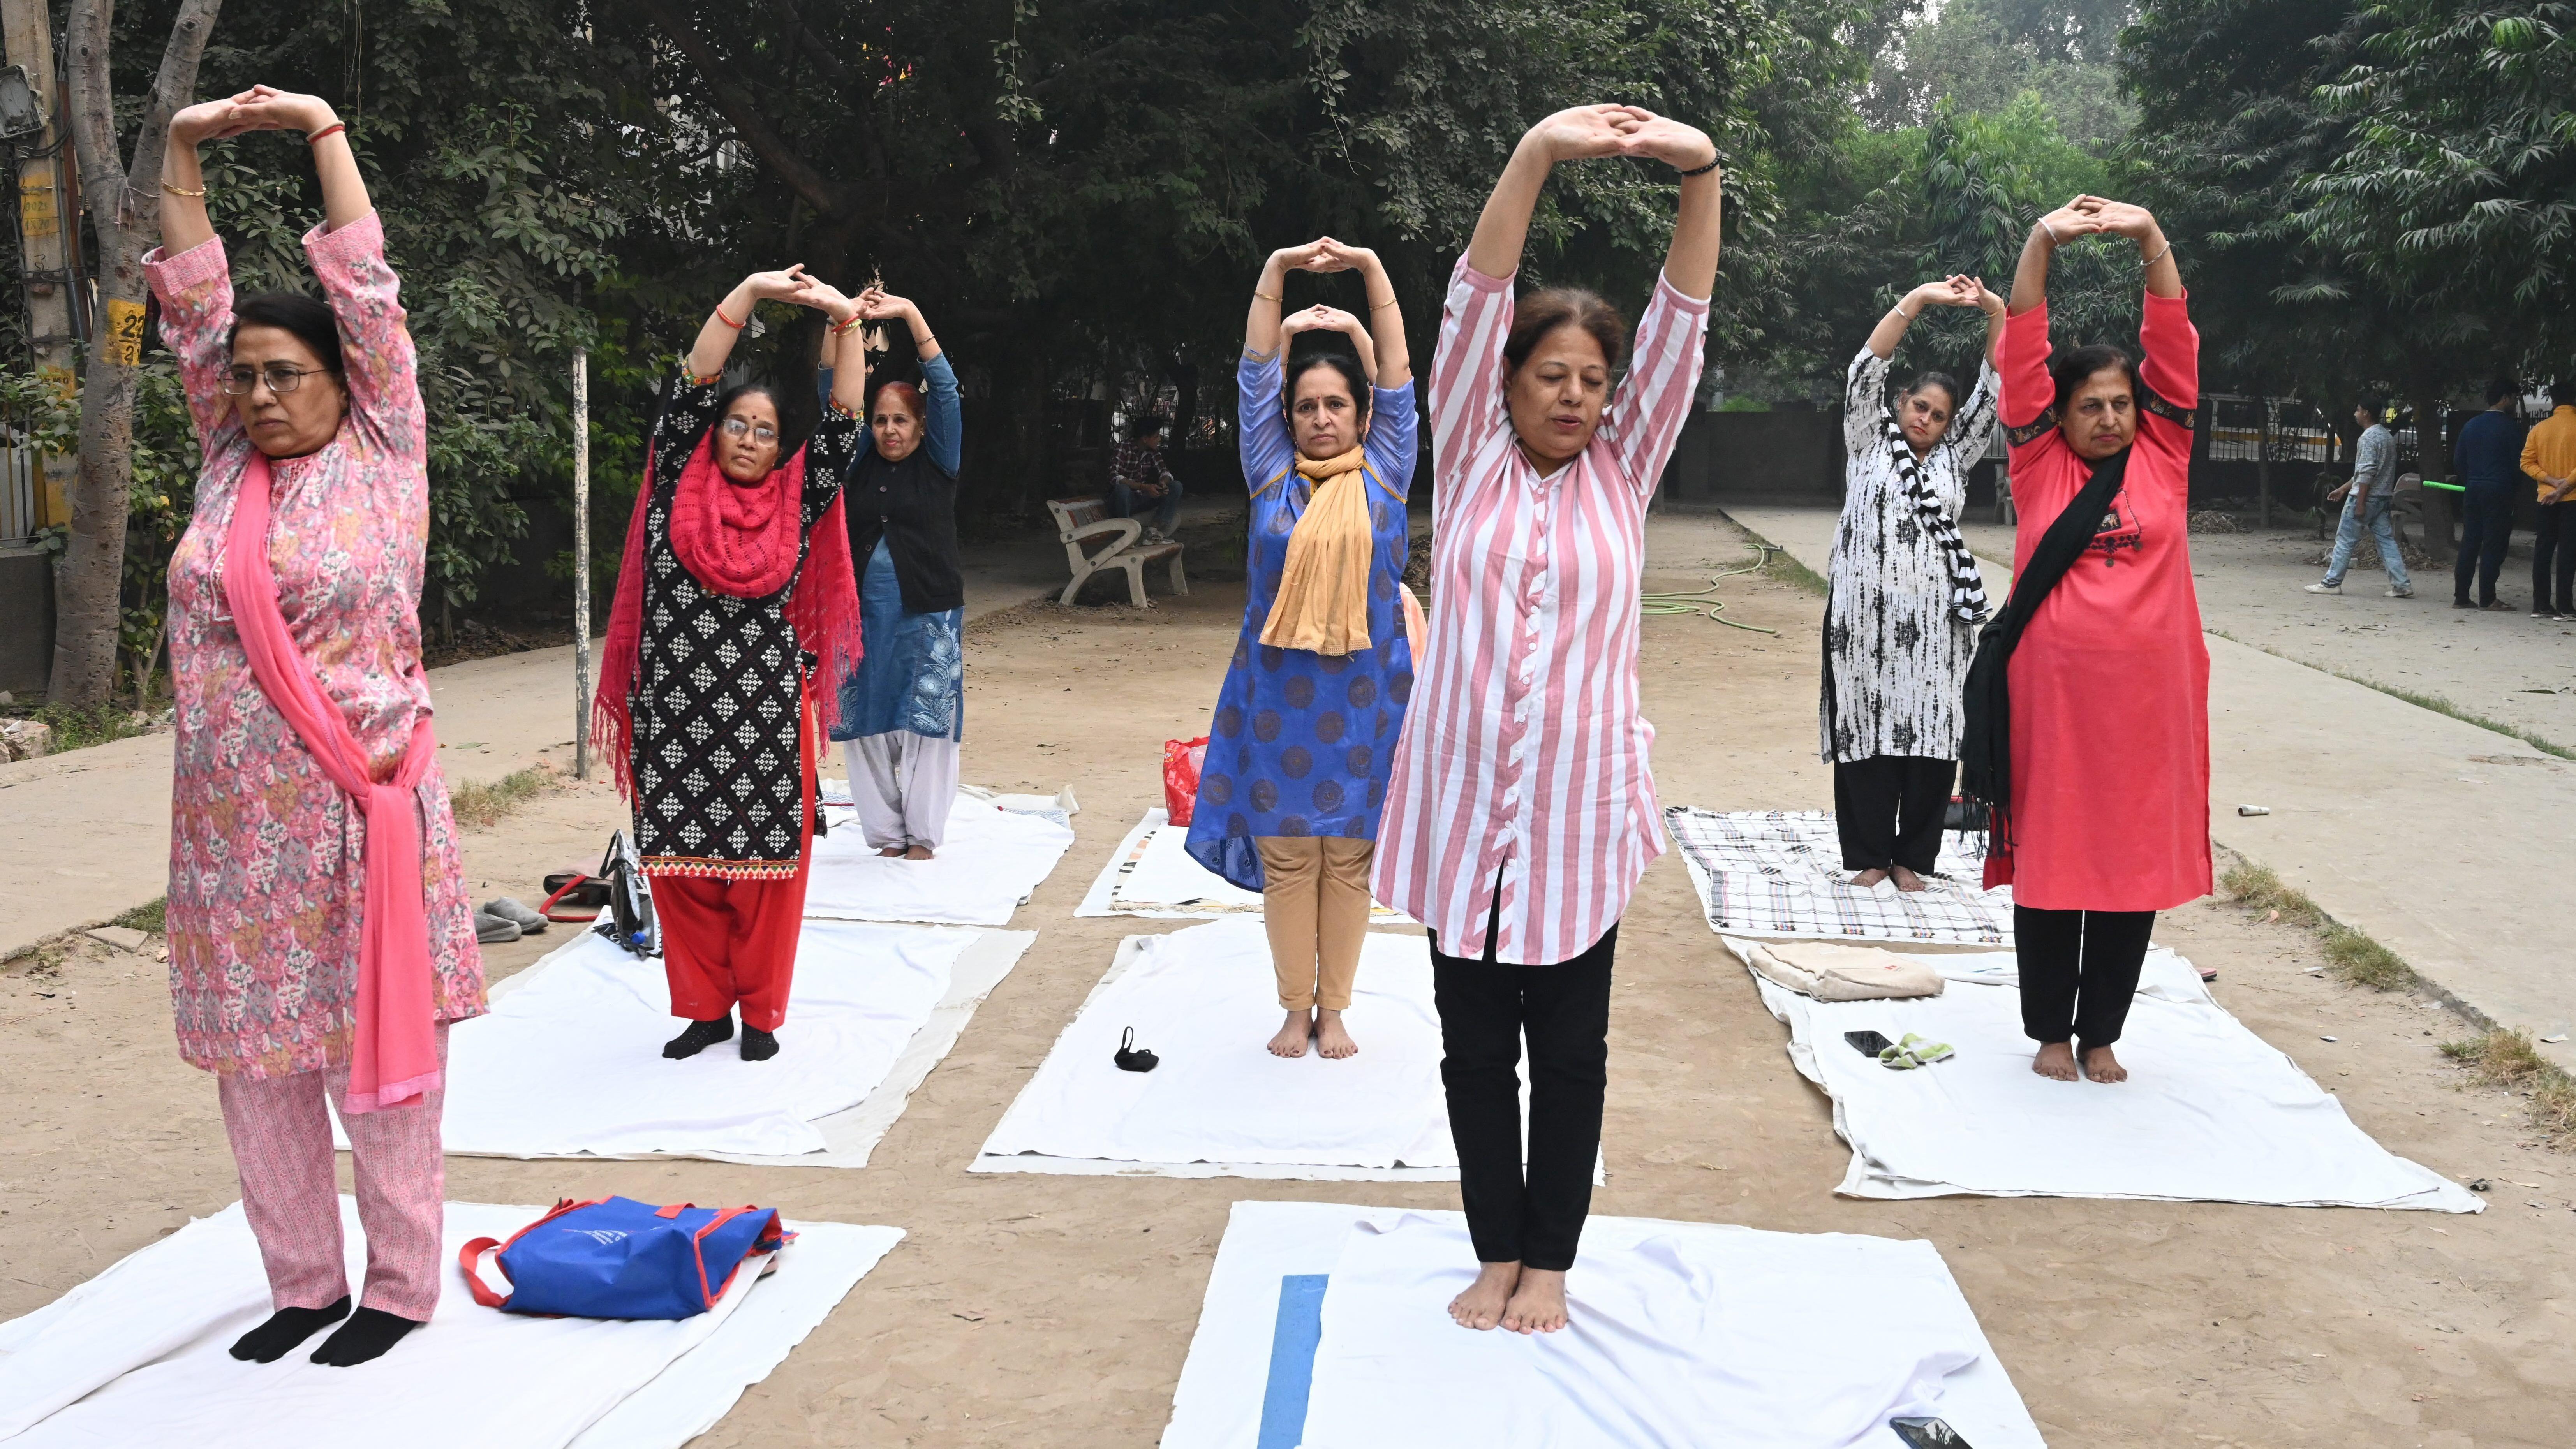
[
  {"x": 85, "y": 836},
  {"x": 2443, "y": 841}
]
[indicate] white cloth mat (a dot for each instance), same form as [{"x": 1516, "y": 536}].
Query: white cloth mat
[
  {"x": 991, "y": 861},
  {"x": 137, "y": 1355},
  {"x": 1153, "y": 875},
  {"x": 570, "y": 1062},
  {"x": 1205, "y": 1001},
  {"x": 2210, "y": 1113},
  {"x": 1784, "y": 1339},
  {"x": 1778, "y": 873}
]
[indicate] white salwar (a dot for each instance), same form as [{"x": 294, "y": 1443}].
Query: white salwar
[
  {"x": 903, "y": 785},
  {"x": 1896, "y": 657}
]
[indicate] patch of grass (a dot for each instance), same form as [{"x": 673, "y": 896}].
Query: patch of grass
[
  {"x": 485, "y": 803},
  {"x": 79, "y": 727},
  {"x": 146, "y": 918},
  {"x": 2434, "y": 702},
  {"x": 2508, "y": 1059},
  {"x": 2353, "y": 956}
]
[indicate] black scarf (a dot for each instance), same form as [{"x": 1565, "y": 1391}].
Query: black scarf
[
  {"x": 1967, "y": 588},
  {"x": 1985, "y": 746}
]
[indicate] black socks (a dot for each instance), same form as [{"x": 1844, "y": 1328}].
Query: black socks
[
  {"x": 757, "y": 1045},
  {"x": 286, "y": 1328},
  {"x": 702, "y": 1035},
  {"x": 367, "y": 1334}
]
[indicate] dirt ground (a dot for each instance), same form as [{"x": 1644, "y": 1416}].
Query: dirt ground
[{"x": 1030, "y": 1309}]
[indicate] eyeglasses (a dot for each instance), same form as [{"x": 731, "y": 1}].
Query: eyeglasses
[
  {"x": 281, "y": 378},
  {"x": 737, "y": 429}
]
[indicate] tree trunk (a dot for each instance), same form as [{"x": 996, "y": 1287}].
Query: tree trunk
[{"x": 89, "y": 582}]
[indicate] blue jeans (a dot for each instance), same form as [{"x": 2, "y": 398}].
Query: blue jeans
[
  {"x": 1124, "y": 502},
  {"x": 2373, "y": 515}
]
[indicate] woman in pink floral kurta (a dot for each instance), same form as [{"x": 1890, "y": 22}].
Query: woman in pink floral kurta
[{"x": 265, "y": 874}]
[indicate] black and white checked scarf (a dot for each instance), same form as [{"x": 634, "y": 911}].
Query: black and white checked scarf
[{"x": 1967, "y": 587}]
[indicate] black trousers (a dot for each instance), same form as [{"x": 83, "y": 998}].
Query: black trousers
[
  {"x": 1486, "y": 1009},
  {"x": 1888, "y": 810},
  {"x": 2079, "y": 970},
  {"x": 2486, "y": 526},
  {"x": 2556, "y": 536}
]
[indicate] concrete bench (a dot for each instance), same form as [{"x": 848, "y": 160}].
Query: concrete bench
[{"x": 1080, "y": 520}]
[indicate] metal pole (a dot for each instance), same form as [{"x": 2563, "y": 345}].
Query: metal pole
[
  {"x": 2263, "y": 462},
  {"x": 47, "y": 275},
  {"x": 580, "y": 564}
]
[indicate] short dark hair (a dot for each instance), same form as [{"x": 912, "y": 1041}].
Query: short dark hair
[
  {"x": 1148, "y": 426},
  {"x": 1345, "y": 363},
  {"x": 2069, "y": 369},
  {"x": 2370, "y": 405},
  {"x": 1941, "y": 380},
  {"x": 2562, "y": 393},
  {"x": 1542, "y": 312},
  {"x": 2502, "y": 388},
  {"x": 311, "y": 321}
]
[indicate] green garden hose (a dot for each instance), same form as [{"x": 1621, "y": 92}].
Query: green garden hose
[{"x": 1704, "y": 601}]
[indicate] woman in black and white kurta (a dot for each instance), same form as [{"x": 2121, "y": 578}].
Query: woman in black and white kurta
[{"x": 1905, "y": 596}]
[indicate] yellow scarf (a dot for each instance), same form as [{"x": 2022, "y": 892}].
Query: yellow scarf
[{"x": 1323, "y": 589}]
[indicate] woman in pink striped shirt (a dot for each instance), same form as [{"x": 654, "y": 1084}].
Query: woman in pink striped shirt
[{"x": 1520, "y": 812}]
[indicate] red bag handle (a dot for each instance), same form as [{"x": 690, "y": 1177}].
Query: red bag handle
[
  {"x": 465, "y": 1260},
  {"x": 576, "y": 883}
]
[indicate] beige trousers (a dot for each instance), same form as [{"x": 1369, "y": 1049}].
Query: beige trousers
[{"x": 1315, "y": 902}]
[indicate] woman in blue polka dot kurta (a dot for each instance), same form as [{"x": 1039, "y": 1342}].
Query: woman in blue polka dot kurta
[{"x": 1297, "y": 757}]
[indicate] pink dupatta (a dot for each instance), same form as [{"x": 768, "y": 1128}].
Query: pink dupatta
[{"x": 393, "y": 1052}]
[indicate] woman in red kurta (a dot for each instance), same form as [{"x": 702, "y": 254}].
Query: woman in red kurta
[{"x": 2109, "y": 815}]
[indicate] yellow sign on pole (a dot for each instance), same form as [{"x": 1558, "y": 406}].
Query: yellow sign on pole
[{"x": 124, "y": 332}]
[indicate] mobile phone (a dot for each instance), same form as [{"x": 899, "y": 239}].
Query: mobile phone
[
  {"x": 1867, "y": 1043},
  {"x": 1927, "y": 1434}
]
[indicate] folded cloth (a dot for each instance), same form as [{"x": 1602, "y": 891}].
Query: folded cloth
[
  {"x": 1913, "y": 1052},
  {"x": 1830, "y": 972}
]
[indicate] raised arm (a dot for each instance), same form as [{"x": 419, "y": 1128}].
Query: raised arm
[
  {"x": 1320, "y": 318},
  {"x": 1261, "y": 319},
  {"x": 2065, "y": 224},
  {"x": 942, "y": 429},
  {"x": 716, "y": 336},
  {"x": 1502, "y": 229},
  {"x": 1392, "y": 364}
]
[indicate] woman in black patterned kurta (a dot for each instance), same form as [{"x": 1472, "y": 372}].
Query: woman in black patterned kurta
[
  {"x": 732, "y": 601},
  {"x": 1903, "y": 597}
]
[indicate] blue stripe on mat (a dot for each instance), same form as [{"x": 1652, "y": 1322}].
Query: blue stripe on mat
[{"x": 1292, "y": 1360}]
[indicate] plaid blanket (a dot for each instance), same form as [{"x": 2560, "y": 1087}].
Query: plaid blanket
[{"x": 1778, "y": 873}]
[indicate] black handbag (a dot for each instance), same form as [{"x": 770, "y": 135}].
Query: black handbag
[{"x": 619, "y": 898}]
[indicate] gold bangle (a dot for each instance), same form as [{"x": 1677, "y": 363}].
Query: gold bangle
[
  {"x": 1374, "y": 306},
  {"x": 197, "y": 194},
  {"x": 2160, "y": 256},
  {"x": 1264, "y": 296}
]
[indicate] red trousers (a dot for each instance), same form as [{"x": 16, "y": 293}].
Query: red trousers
[{"x": 733, "y": 943}]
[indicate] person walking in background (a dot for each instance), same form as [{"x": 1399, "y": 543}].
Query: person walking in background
[
  {"x": 320, "y": 937},
  {"x": 903, "y": 709},
  {"x": 1521, "y": 810},
  {"x": 2367, "y": 499},
  {"x": 2487, "y": 460},
  {"x": 1308, "y": 716},
  {"x": 736, "y": 574},
  {"x": 1905, "y": 597},
  {"x": 2097, "y": 762},
  {"x": 1138, "y": 480},
  {"x": 2549, "y": 457}
]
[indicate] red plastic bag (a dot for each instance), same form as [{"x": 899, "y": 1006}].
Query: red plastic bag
[{"x": 1181, "y": 761}]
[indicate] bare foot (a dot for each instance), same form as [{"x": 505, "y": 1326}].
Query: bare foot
[
  {"x": 891, "y": 850},
  {"x": 2056, "y": 1061},
  {"x": 2101, "y": 1066},
  {"x": 918, "y": 852},
  {"x": 1538, "y": 1304},
  {"x": 1907, "y": 880},
  {"x": 1331, "y": 1042},
  {"x": 1291, "y": 1040},
  {"x": 1868, "y": 878},
  {"x": 1481, "y": 1306}
]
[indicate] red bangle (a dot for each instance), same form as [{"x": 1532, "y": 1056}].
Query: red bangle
[
  {"x": 728, "y": 321},
  {"x": 840, "y": 327},
  {"x": 330, "y": 130}
]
